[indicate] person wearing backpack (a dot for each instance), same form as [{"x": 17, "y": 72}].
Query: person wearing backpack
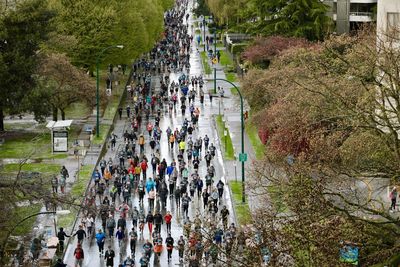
[
  {"x": 169, "y": 242},
  {"x": 133, "y": 237},
  {"x": 79, "y": 255},
  {"x": 220, "y": 187},
  {"x": 134, "y": 216},
  {"x": 110, "y": 226},
  {"x": 54, "y": 184},
  {"x": 141, "y": 143},
  {"x": 141, "y": 191},
  {"x": 185, "y": 204}
]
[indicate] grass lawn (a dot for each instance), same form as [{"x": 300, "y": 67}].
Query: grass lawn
[
  {"x": 18, "y": 126},
  {"x": 34, "y": 167},
  {"x": 79, "y": 187},
  {"x": 242, "y": 210},
  {"x": 77, "y": 191},
  {"x": 233, "y": 91},
  {"x": 259, "y": 148},
  {"x": 67, "y": 220},
  {"x": 103, "y": 135},
  {"x": 219, "y": 45},
  {"x": 226, "y": 141},
  {"x": 231, "y": 76},
  {"x": 225, "y": 59},
  {"x": 29, "y": 145},
  {"x": 77, "y": 111},
  {"x": 23, "y": 212},
  {"x": 21, "y": 146},
  {"x": 206, "y": 65},
  {"x": 113, "y": 103}
]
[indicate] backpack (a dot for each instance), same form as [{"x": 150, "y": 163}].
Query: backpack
[
  {"x": 78, "y": 253},
  {"x": 111, "y": 224}
]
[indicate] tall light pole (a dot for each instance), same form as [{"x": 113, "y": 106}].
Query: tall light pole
[
  {"x": 97, "y": 86},
  {"x": 243, "y": 157},
  {"x": 204, "y": 33},
  {"x": 215, "y": 53}
]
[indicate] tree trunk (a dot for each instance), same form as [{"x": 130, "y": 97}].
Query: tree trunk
[
  {"x": 55, "y": 114},
  {"x": 62, "y": 114},
  {"x": 1, "y": 119}
]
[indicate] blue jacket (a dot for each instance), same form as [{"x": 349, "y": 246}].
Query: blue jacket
[
  {"x": 100, "y": 237},
  {"x": 149, "y": 185},
  {"x": 170, "y": 169}
]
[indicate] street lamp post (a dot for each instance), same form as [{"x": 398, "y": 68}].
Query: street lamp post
[
  {"x": 97, "y": 86},
  {"x": 242, "y": 133},
  {"x": 204, "y": 33}
]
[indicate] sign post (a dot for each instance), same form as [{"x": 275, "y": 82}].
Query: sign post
[
  {"x": 59, "y": 135},
  {"x": 242, "y": 157}
]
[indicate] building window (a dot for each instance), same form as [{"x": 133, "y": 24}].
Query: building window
[{"x": 393, "y": 22}]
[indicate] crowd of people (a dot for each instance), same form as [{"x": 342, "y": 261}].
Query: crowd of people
[{"x": 137, "y": 192}]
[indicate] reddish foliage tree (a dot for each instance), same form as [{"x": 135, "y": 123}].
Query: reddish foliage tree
[{"x": 265, "y": 48}]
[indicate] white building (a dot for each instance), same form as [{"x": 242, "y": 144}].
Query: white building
[
  {"x": 388, "y": 18},
  {"x": 349, "y": 15}
]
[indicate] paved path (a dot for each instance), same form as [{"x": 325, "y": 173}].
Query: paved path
[
  {"x": 206, "y": 126},
  {"x": 229, "y": 107}
]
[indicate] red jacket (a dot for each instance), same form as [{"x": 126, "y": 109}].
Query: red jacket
[
  {"x": 168, "y": 218},
  {"x": 144, "y": 165}
]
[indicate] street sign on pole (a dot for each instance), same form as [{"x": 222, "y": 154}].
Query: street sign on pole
[{"x": 242, "y": 157}]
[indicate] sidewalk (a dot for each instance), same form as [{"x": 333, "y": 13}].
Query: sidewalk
[
  {"x": 230, "y": 109},
  {"x": 174, "y": 120}
]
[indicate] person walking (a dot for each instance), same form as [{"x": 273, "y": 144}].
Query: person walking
[
  {"x": 54, "y": 184},
  {"x": 79, "y": 255},
  {"x": 151, "y": 197},
  {"x": 220, "y": 187},
  {"x": 169, "y": 242},
  {"x": 134, "y": 216},
  {"x": 133, "y": 238},
  {"x": 178, "y": 197},
  {"x": 150, "y": 220},
  {"x": 120, "y": 236},
  {"x": 393, "y": 198},
  {"x": 224, "y": 216},
  {"x": 120, "y": 112},
  {"x": 100, "y": 239},
  {"x": 64, "y": 172},
  {"x": 61, "y": 238},
  {"x": 185, "y": 204},
  {"x": 110, "y": 226},
  {"x": 109, "y": 257},
  {"x": 158, "y": 220},
  {"x": 181, "y": 248},
  {"x": 81, "y": 234},
  {"x": 168, "y": 219}
]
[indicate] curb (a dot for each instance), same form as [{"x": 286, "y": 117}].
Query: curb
[
  {"x": 229, "y": 196},
  {"x": 101, "y": 154}
]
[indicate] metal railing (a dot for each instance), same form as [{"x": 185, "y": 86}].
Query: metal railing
[{"x": 365, "y": 14}]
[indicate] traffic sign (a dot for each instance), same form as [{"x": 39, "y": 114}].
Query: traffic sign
[{"x": 242, "y": 157}]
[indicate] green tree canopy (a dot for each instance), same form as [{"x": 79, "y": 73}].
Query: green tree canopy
[
  {"x": 21, "y": 32},
  {"x": 298, "y": 18},
  {"x": 90, "y": 26}
]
